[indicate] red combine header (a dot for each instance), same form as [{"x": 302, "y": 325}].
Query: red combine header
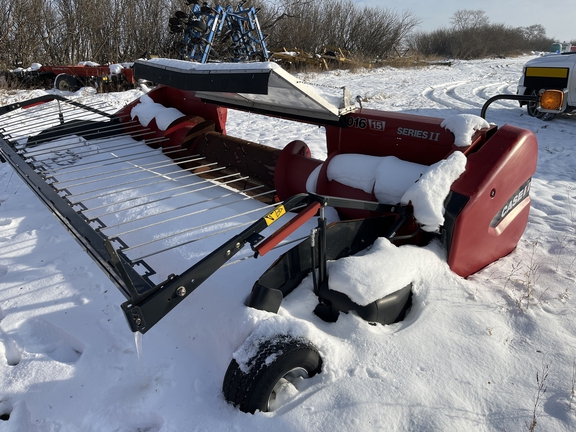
[{"x": 139, "y": 189}]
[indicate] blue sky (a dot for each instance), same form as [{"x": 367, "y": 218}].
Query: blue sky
[{"x": 558, "y": 16}]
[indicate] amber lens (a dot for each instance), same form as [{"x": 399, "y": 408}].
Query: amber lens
[{"x": 552, "y": 99}]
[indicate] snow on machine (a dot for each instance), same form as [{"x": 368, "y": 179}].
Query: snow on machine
[{"x": 161, "y": 197}]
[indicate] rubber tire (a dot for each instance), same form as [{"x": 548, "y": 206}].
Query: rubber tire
[
  {"x": 64, "y": 82},
  {"x": 198, "y": 25},
  {"x": 545, "y": 116},
  {"x": 251, "y": 391},
  {"x": 531, "y": 106}
]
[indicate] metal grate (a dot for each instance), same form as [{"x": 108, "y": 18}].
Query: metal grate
[{"x": 127, "y": 188}]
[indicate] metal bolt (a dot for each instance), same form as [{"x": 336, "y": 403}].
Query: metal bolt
[
  {"x": 238, "y": 245},
  {"x": 137, "y": 321},
  {"x": 228, "y": 252},
  {"x": 181, "y": 291}
]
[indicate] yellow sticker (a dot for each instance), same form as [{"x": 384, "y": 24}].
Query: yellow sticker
[
  {"x": 274, "y": 215},
  {"x": 547, "y": 72}
]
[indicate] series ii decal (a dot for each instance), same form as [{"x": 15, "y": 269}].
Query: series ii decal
[
  {"x": 417, "y": 133},
  {"x": 520, "y": 195}
]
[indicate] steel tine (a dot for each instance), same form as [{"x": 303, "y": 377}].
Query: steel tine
[
  {"x": 219, "y": 179},
  {"x": 115, "y": 191},
  {"x": 119, "y": 128},
  {"x": 214, "y": 233},
  {"x": 34, "y": 152},
  {"x": 182, "y": 159},
  {"x": 142, "y": 257},
  {"x": 123, "y": 172},
  {"x": 187, "y": 230},
  {"x": 169, "y": 211},
  {"x": 39, "y": 120},
  {"x": 105, "y": 162}
]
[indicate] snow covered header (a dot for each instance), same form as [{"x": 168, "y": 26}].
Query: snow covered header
[
  {"x": 463, "y": 127},
  {"x": 394, "y": 181},
  {"x": 185, "y": 65},
  {"x": 147, "y": 110},
  {"x": 427, "y": 195}
]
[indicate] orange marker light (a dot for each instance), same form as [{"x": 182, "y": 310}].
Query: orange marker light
[{"x": 552, "y": 100}]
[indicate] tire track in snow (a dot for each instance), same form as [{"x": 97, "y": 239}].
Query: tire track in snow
[
  {"x": 438, "y": 94},
  {"x": 465, "y": 94},
  {"x": 453, "y": 94},
  {"x": 488, "y": 91}
]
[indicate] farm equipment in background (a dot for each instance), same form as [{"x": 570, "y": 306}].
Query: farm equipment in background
[
  {"x": 550, "y": 72},
  {"x": 330, "y": 57},
  {"x": 297, "y": 59},
  {"x": 337, "y": 57},
  {"x": 219, "y": 33},
  {"x": 138, "y": 189},
  {"x": 71, "y": 78}
]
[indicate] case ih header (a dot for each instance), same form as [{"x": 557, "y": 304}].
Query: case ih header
[{"x": 137, "y": 187}]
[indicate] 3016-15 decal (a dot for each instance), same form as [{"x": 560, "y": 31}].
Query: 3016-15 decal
[{"x": 363, "y": 123}]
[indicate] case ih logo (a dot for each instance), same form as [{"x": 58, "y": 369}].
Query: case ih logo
[{"x": 516, "y": 199}]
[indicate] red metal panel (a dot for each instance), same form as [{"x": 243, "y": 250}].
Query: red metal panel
[
  {"x": 412, "y": 138},
  {"x": 494, "y": 175}
]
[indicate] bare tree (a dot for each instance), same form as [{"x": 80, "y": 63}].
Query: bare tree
[
  {"x": 368, "y": 31},
  {"x": 465, "y": 19}
]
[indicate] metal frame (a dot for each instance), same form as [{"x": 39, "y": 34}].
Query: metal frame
[
  {"x": 147, "y": 302},
  {"x": 239, "y": 24}
]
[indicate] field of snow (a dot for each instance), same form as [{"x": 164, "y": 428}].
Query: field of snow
[{"x": 493, "y": 352}]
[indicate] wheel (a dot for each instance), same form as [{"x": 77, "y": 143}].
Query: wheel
[
  {"x": 546, "y": 116},
  {"x": 273, "y": 375},
  {"x": 198, "y": 25},
  {"x": 531, "y": 107},
  {"x": 65, "y": 82}
]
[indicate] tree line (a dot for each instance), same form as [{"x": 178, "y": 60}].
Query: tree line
[
  {"x": 61, "y": 32},
  {"x": 69, "y": 31},
  {"x": 472, "y": 36}
]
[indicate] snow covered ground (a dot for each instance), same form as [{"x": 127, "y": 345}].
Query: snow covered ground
[{"x": 471, "y": 355}]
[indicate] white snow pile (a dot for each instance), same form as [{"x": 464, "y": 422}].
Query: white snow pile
[
  {"x": 273, "y": 327},
  {"x": 88, "y": 63},
  {"x": 465, "y": 358},
  {"x": 394, "y": 181},
  {"x": 147, "y": 110},
  {"x": 388, "y": 177},
  {"x": 62, "y": 152},
  {"x": 377, "y": 272},
  {"x": 185, "y": 65},
  {"x": 428, "y": 194},
  {"x": 32, "y": 67},
  {"x": 116, "y": 69},
  {"x": 463, "y": 127}
]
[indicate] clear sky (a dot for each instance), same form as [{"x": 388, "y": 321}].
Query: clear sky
[{"x": 557, "y": 16}]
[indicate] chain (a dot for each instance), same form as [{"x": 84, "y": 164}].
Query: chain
[{"x": 321, "y": 85}]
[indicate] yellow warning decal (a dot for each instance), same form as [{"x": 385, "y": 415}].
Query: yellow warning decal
[
  {"x": 547, "y": 72},
  {"x": 274, "y": 215}
]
